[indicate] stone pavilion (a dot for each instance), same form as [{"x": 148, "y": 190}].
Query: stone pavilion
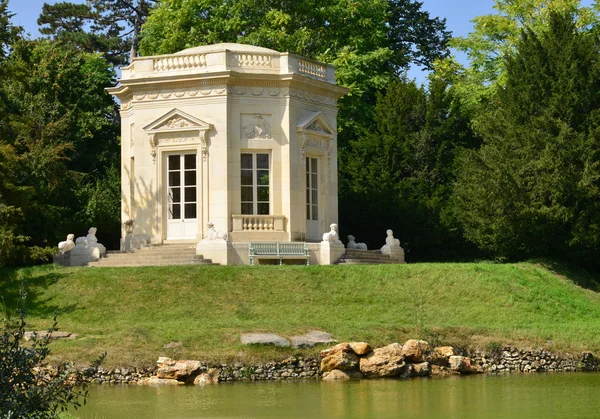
[{"x": 239, "y": 136}]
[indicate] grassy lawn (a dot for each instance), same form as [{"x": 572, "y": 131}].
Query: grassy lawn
[{"x": 133, "y": 312}]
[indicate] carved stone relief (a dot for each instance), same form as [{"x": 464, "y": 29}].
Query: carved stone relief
[
  {"x": 317, "y": 126},
  {"x": 177, "y": 122},
  {"x": 256, "y": 126}
]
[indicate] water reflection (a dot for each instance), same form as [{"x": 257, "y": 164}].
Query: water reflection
[{"x": 517, "y": 396}]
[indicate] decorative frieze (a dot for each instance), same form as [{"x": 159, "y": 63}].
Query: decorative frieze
[{"x": 219, "y": 90}]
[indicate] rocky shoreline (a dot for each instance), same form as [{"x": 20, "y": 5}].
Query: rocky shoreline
[{"x": 353, "y": 360}]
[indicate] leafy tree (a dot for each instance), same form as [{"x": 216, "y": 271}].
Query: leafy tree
[
  {"x": 59, "y": 137},
  {"x": 401, "y": 171},
  {"x": 533, "y": 189},
  {"x": 110, "y": 27},
  {"x": 496, "y": 35},
  {"x": 369, "y": 41}
]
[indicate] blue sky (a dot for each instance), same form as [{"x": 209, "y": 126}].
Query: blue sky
[{"x": 458, "y": 14}]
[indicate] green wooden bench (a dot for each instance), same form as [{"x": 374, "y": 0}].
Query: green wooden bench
[{"x": 276, "y": 250}]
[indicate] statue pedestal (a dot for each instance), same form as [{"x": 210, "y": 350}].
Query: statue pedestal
[
  {"x": 331, "y": 252},
  {"x": 217, "y": 250},
  {"x": 396, "y": 253},
  {"x": 80, "y": 255}
]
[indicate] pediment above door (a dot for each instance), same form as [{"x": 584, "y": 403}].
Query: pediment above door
[{"x": 175, "y": 128}]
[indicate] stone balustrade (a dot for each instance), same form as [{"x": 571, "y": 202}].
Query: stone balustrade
[
  {"x": 251, "y": 60},
  {"x": 312, "y": 68},
  {"x": 258, "y": 223},
  {"x": 226, "y": 60},
  {"x": 179, "y": 62}
]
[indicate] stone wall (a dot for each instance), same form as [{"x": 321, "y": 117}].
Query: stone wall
[
  {"x": 507, "y": 359},
  {"x": 510, "y": 359}
]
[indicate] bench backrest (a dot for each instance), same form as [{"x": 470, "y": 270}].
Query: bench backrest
[{"x": 276, "y": 248}]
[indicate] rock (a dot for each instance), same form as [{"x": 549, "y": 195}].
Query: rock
[
  {"x": 463, "y": 365},
  {"x": 416, "y": 350},
  {"x": 446, "y": 351},
  {"x": 340, "y": 347},
  {"x": 337, "y": 375},
  {"x": 264, "y": 339},
  {"x": 177, "y": 370},
  {"x": 407, "y": 371},
  {"x": 436, "y": 370},
  {"x": 340, "y": 360},
  {"x": 156, "y": 380},
  {"x": 360, "y": 348},
  {"x": 209, "y": 377},
  {"x": 173, "y": 344},
  {"x": 310, "y": 339},
  {"x": 422, "y": 369},
  {"x": 54, "y": 335},
  {"x": 383, "y": 362}
]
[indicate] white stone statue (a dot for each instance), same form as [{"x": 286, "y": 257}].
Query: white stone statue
[
  {"x": 332, "y": 235},
  {"x": 91, "y": 237},
  {"x": 67, "y": 245},
  {"x": 89, "y": 245},
  {"x": 353, "y": 245},
  {"x": 391, "y": 243},
  {"x": 212, "y": 234}
]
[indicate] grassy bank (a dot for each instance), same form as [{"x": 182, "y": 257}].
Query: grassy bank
[{"x": 133, "y": 312}]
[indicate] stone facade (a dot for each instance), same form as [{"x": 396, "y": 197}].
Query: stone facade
[{"x": 230, "y": 134}]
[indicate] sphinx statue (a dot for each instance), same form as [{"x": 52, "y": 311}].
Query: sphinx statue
[
  {"x": 67, "y": 245},
  {"x": 391, "y": 243},
  {"x": 353, "y": 245},
  {"x": 212, "y": 234},
  {"x": 89, "y": 245},
  {"x": 332, "y": 235}
]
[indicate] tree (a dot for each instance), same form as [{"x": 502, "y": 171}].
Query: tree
[
  {"x": 401, "y": 171},
  {"x": 496, "y": 35},
  {"x": 533, "y": 189},
  {"x": 110, "y": 27},
  {"x": 59, "y": 137},
  {"x": 369, "y": 41}
]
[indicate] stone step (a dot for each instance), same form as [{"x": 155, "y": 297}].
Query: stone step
[
  {"x": 154, "y": 255},
  {"x": 382, "y": 258},
  {"x": 363, "y": 262},
  {"x": 157, "y": 256},
  {"x": 204, "y": 262}
]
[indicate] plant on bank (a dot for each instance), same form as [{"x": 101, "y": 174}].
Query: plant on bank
[{"x": 27, "y": 387}]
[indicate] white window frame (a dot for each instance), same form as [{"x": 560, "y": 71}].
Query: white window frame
[
  {"x": 310, "y": 187},
  {"x": 255, "y": 185}
]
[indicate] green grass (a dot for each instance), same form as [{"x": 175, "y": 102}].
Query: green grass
[{"x": 133, "y": 312}]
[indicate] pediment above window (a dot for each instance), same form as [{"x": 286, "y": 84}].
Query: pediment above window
[
  {"x": 176, "y": 120},
  {"x": 316, "y": 124},
  {"x": 316, "y": 134}
]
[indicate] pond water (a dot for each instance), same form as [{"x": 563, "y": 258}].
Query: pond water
[{"x": 483, "y": 396}]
